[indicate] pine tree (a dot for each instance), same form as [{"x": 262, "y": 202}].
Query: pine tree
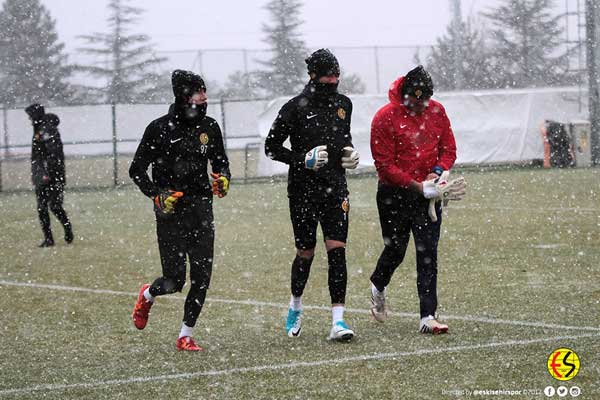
[
  {"x": 351, "y": 84},
  {"x": 460, "y": 55},
  {"x": 33, "y": 65},
  {"x": 130, "y": 58},
  {"x": 526, "y": 39},
  {"x": 286, "y": 70},
  {"x": 243, "y": 85}
]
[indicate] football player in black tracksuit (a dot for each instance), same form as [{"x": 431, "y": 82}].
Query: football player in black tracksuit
[
  {"x": 179, "y": 146},
  {"x": 48, "y": 171},
  {"x": 317, "y": 123}
]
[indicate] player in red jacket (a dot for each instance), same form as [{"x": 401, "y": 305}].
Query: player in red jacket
[{"x": 412, "y": 144}]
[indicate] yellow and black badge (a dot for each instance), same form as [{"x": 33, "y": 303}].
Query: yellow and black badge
[
  {"x": 563, "y": 364},
  {"x": 341, "y": 113},
  {"x": 203, "y": 138},
  {"x": 345, "y": 204}
]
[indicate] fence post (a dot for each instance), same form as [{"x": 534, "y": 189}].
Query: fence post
[
  {"x": 378, "y": 85},
  {"x": 223, "y": 128},
  {"x": 592, "y": 27},
  {"x": 113, "y": 108},
  {"x": 5, "y": 127}
]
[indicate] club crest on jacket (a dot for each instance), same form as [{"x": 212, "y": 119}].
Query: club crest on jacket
[{"x": 203, "y": 138}]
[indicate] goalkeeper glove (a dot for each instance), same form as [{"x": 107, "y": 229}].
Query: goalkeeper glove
[
  {"x": 220, "y": 185},
  {"x": 316, "y": 158},
  {"x": 165, "y": 201},
  {"x": 444, "y": 190},
  {"x": 350, "y": 158}
]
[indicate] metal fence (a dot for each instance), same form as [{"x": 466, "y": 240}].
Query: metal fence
[
  {"x": 99, "y": 141},
  {"x": 377, "y": 66}
]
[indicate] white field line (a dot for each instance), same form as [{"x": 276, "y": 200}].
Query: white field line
[
  {"x": 290, "y": 365},
  {"x": 254, "y": 303}
]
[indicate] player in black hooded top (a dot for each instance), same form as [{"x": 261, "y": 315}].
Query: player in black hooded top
[
  {"x": 317, "y": 124},
  {"x": 179, "y": 146},
  {"x": 48, "y": 171}
]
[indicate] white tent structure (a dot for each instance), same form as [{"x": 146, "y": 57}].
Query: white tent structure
[{"x": 499, "y": 126}]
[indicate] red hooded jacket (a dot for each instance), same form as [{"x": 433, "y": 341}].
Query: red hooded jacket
[{"x": 407, "y": 147}]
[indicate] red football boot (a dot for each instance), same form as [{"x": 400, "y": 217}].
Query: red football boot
[
  {"x": 141, "y": 309},
  {"x": 186, "y": 343}
]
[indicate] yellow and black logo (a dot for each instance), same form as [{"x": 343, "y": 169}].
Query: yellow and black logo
[
  {"x": 563, "y": 364},
  {"x": 346, "y": 206},
  {"x": 203, "y": 138},
  {"x": 341, "y": 113}
]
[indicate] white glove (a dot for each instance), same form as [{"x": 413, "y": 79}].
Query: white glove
[
  {"x": 442, "y": 189},
  {"x": 316, "y": 158},
  {"x": 350, "y": 158}
]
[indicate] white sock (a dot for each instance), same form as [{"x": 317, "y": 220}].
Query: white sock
[
  {"x": 296, "y": 303},
  {"x": 185, "y": 330},
  {"x": 148, "y": 296},
  {"x": 374, "y": 290},
  {"x": 337, "y": 313}
]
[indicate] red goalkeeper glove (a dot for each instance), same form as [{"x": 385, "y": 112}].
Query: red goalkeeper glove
[{"x": 165, "y": 201}]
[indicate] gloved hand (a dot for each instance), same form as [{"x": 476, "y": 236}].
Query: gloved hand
[
  {"x": 316, "y": 158},
  {"x": 444, "y": 190},
  {"x": 165, "y": 201},
  {"x": 220, "y": 185},
  {"x": 350, "y": 158}
]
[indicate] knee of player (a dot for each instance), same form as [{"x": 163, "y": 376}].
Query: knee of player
[{"x": 305, "y": 253}]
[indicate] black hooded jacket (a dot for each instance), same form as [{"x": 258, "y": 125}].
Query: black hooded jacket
[
  {"x": 179, "y": 151},
  {"x": 311, "y": 119},
  {"x": 47, "y": 156}
]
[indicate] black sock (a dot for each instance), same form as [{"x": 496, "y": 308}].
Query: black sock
[
  {"x": 338, "y": 275},
  {"x": 300, "y": 273}
]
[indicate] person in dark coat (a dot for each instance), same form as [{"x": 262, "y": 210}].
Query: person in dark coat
[
  {"x": 317, "y": 124},
  {"x": 179, "y": 146},
  {"x": 48, "y": 171}
]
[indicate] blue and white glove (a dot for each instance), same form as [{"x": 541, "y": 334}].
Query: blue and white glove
[
  {"x": 316, "y": 158},
  {"x": 350, "y": 158}
]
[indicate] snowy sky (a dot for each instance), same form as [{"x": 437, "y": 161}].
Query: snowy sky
[
  {"x": 236, "y": 24},
  {"x": 192, "y": 24}
]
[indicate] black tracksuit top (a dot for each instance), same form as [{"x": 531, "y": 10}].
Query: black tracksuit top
[
  {"x": 47, "y": 156},
  {"x": 309, "y": 120},
  {"x": 179, "y": 153}
]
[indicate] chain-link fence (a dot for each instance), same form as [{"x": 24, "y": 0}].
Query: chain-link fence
[
  {"x": 99, "y": 141},
  {"x": 377, "y": 66}
]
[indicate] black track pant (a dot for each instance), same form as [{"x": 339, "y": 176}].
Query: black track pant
[
  {"x": 187, "y": 234},
  {"x": 51, "y": 196},
  {"x": 400, "y": 213}
]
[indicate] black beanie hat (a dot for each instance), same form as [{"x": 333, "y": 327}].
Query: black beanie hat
[
  {"x": 185, "y": 84},
  {"x": 323, "y": 63},
  {"x": 417, "y": 83},
  {"x": 35, "y": 111}
]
